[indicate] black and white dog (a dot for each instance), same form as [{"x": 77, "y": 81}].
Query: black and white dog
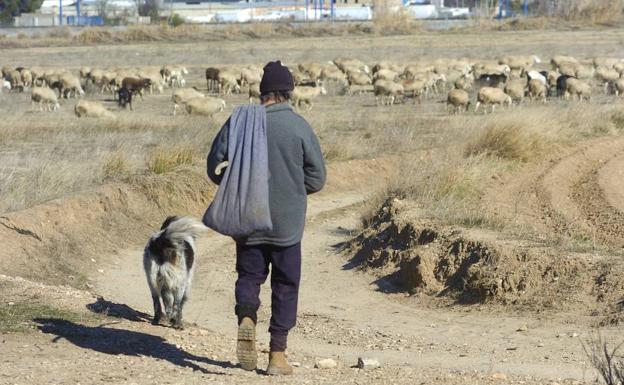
[
  {"x": 124, "y": 97},
  {"x": 168, "y": 260}
]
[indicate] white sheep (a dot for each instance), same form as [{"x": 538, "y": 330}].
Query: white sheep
[
  {"x": 359, "y": 79},
  {"x": 576, "y": 87},
  {"x": 91, "y": 109},
  {"x": 69, "y": 84},
  {"x": 181, "y": 95},
  {"x": 228, "y": 82},
  {"x": 558, "y": 60},
  {"x": 385, "y": 89},
  {"x": 606, "y": 76},
  {"x": 249, "y": 76},
  {"x": 312, "y": 71},
  {"x": 254, "y": 91},
  {"x": 491, "y": 96},
  {"x": 416, "y": 88},
  {"x": 84, "y": 72},
  {"x": 520, "y": 62},
  {"x": 173, "y": 75},
  {"x": 464, "y": 83},
  {"x": 344, "y": 63},
  {"x": 27, "y": 78},
  {"x": 515, "y": 90},
  {"x": 356, "y": 89},
  {"x": 608, "y": 62},
  {"x": 204, "y": 106},
  {"x": 536, "y": 75},
  {"x": 305, "y": 94},
  {"x": 537, "y": 89},
  {"x": 16, "y": 80},
  {"x": 332, "y": 74},
  {"x": 45, "y": 97},
  {"x": 457, "y": 100},
  {"x": 385, "y": 74}
]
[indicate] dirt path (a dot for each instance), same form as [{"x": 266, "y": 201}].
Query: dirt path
[{"x": 343, "y": 315}]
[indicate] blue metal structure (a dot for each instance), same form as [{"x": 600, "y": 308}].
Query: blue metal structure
[
  {"x": 61, "y": 12},
  {"x": 85, "y": 20},
  {"x": 504, "y": 5}
]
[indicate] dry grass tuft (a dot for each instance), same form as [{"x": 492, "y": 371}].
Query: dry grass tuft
[
  {"x": 115, "y": 165},
  {"x": 507, "y": 140},
  {"x": 90, "y": 36},
  {"x": 188, "y": 189},
  {"x": 166, "y": 159}
]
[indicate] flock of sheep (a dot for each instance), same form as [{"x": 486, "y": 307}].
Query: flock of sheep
[{"x": 489, "y": 82}]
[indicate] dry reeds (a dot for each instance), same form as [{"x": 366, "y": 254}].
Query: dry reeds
[{"x": 588, "y": 11}]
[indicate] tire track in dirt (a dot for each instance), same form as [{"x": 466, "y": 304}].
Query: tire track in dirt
[
  {"x": 606, "y": 220},
  {"x": 571, "y": 198}
]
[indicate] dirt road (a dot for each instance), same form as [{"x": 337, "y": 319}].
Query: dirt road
[{"x": 342, "y": 316}]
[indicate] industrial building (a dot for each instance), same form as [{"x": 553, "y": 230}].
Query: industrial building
[{"x": 95, "y": 12}]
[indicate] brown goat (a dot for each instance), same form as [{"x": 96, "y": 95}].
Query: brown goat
[
  {"x": 135, "y": 85},
  {"x": 212, "y": 78}
]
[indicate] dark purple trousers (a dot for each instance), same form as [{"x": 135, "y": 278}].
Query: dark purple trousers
[{"x": 252, "y": 266}]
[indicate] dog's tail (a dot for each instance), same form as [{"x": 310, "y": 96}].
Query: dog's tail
[{"x": 182, "y": 227}]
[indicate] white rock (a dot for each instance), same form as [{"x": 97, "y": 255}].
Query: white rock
[
  {"x": 367, "y": 363},
  {"x": 326, "y": 363},
  {"x": 499, "y": 376},
  {"x": 296, "y": 364}
]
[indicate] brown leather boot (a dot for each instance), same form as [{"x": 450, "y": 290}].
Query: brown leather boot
[
  {"x": 246, "y": 344},
  {"x": 278, "y": 365}
]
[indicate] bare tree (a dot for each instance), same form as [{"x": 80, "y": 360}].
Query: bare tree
[
  {"x": 102, "y": 8},
  {"x": 148, "y": 8}
]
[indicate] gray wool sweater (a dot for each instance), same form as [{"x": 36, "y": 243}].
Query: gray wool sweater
[{"x": 296, "y": 169}]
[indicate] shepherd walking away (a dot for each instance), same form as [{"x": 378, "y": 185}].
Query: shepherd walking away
[{"x": 294, "y": 167}]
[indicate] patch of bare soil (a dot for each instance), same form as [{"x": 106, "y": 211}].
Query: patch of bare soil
[{"x": 466, "y": 266}]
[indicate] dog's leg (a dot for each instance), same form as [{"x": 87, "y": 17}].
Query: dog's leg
[
  {"x": 167, "y": 297},
  {"x": 151, "y": 271},
  {"x": 178, "y": 304},
  {"x": 157, "y": 309}
]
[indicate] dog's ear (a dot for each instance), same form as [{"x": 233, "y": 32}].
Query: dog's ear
[{"x": 168, "y": 221}]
